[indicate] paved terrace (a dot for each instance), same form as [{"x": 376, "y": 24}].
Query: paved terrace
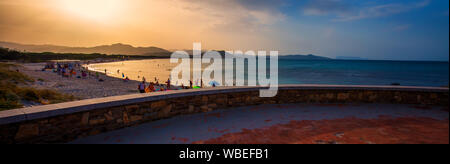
[
  {"x": 77, "y": 120},
  {"x": 293, "y": 124}
]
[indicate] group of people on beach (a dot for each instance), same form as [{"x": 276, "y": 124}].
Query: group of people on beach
[
  {"x": 156, "y": 86},
  {"x": 73, "y": 69},
  {"x": 69, "y": 70},
  {"x": 151, "y": 87},
  {"x": 65, "y": 70}
]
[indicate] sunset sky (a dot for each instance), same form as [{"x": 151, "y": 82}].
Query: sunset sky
[{"x": 374, "y": 29}]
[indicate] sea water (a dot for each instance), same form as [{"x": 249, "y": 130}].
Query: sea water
[
  {"x": 364, "y": 72},
  {"x": 336, "y": 72}
]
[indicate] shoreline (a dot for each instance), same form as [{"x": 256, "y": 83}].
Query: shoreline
[
  {"x": 153, "y": 71},
  {"x": 83, "y": 88},
  {"x": 87, "y": 88}
]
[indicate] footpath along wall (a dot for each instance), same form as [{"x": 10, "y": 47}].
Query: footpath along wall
[{"x": 60, "y": 123}]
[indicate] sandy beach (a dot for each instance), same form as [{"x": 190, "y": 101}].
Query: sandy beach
[
  {"x": 87, "y": 88},
  {"x": 112, "y": 83}
]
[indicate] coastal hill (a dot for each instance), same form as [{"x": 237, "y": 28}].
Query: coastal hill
[{"x": 115, "y": 49}]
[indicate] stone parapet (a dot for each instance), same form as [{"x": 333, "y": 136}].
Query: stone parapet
[{"x": 60, "y": 123}]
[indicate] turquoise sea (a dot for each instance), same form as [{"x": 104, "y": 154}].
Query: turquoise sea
[
  {"x": 295, "y": 71},
  {"x": 363, "y": 72}
]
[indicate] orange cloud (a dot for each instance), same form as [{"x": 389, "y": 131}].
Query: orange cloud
[{"x": 171, "y": 24}]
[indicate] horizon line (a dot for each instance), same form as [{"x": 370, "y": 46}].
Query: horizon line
[{"x": 171, "y": 50}]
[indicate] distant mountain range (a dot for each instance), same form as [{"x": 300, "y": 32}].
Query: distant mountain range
[
  {"x": 115, "y": 49},
  {"x": 121, "y": 49}
]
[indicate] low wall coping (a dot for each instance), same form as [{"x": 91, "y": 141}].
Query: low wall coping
[{"x": 45, "y": 111}]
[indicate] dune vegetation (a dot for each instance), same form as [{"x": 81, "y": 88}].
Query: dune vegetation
[{"x": 14, "y": 90}]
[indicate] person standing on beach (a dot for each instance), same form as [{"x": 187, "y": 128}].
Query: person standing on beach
[
  {"x": 142, "y": 87},
  {"x": 70, "y": 73},
  {"x": 168, "y": 83},
  {"x": 63, "y": 72},
  {"x": 201, "y": 83},
  {"x": 83, "y": 74},
  {"x": 190, "y": 84}
]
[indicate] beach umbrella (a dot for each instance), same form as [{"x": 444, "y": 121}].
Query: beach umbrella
[{"x": 214, "y": 83}]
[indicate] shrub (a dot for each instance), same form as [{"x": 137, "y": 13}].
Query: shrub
[
  {"x": 29, "y": 94},
  {"x": 6, "y": 105},
  {"x": 6, "y": 74},
  {"x": 8, "y": 99}
]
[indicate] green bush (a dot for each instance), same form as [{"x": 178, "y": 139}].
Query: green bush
[
  {"x": 54, "y": 97},
  {"x": 11, "y": 96},
  {"x": 35, "y": 95},
  {"x": 8, "y": 99},
  {"x": 29, "y": 95}
]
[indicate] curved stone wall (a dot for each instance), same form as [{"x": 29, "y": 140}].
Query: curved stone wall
[{"x": 65, "y": 122}]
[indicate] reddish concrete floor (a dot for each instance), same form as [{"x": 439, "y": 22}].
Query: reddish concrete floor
[
  {"x": 384, "y": 130},
  {"x": 293, "y": 124}
]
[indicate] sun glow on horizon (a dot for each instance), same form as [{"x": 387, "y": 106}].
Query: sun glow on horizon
[{"x": 96, "y": 10}]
